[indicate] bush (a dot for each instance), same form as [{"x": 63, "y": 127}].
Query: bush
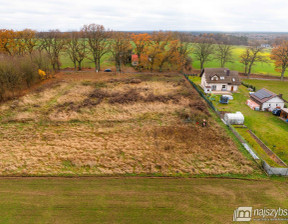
[
  {"x": 16, "y": 74},
  {"x": 249, "y": 86}
]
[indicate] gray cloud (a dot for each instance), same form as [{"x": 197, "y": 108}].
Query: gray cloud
[{"x": 220, "y": 15}]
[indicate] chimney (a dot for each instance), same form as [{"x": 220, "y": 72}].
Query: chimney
[
  {"x": 281, "y": 96},
  {"x": 227, "y": 72}
]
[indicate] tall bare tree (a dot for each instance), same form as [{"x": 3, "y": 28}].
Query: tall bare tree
[
  {"x": 53, "y": 43},
  {"x": 203, "y": 50},
  {"x": 120, "y": 46},
  {"x": 224, "y": 54},
  {"x": 76, "y": 49},
  {"x": 184, "y": 49},
  {"x": 97, "y": 40},
  {"x": 252, "y": 55}
]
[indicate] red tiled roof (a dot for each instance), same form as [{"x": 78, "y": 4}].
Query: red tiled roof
[{"x": 134, "y": 57}]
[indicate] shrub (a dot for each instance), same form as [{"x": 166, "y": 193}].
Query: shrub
[{"x": 16, "y": 74}]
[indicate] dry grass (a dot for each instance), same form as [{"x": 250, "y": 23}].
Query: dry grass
[{"x": 102, "y": 125}]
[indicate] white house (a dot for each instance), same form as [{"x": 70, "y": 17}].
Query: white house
[
  {"x": 267, "y": 100},
  {"x": 219, "y": 80}
]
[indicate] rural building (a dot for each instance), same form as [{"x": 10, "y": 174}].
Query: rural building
[
  {"x": 267, "y": 100},
  {"x": 234, "y": 118},
  {"x": 284, "y": 114},
  {"x": 219, "y": 80},
  {"x": 253, "y": 105},
  {"x": 134, "y": 60}
]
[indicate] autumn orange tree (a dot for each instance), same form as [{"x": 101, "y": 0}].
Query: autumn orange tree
[
  {"x": 17, "y": 42},
  {"x": 279, "y": 55},
  {"x": 7, "y": 41},
  {"x": 157, "y": 46},
  {"x": 168, "y": 55},
  {"x": 141, "y": 42}
]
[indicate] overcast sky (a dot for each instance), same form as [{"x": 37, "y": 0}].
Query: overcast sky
[{"x": 129, "y": 15}]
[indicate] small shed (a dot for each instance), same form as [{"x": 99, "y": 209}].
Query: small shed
[
  {"x": 234, "y": 118},
  {"x": 253, "y": 105},
  {"x": 135, "y": 60},
  {"x": 284, "y": 113}
]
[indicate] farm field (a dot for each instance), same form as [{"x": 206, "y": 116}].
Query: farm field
[
  {"x": 134, "y": 200},
  {"x": 88, "y": 123}
]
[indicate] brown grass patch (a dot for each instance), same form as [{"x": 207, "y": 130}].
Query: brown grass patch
[{"x": 104, "y": 127}]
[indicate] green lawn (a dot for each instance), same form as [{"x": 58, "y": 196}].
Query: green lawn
[
  {"x": 134, "y": 200},
  {"x": 106, "y": 61},
  {"x": 269, "y": 128}
]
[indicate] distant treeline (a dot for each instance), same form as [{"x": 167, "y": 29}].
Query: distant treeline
[{"x": 26, "y": 53}]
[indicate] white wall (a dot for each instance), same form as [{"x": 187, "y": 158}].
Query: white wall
[
  {"x": 218, "y": 85},
  {"x": 273, "y": 103}
]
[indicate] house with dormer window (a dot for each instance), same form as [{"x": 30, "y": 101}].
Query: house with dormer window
[{"x": 219, "y": 80}]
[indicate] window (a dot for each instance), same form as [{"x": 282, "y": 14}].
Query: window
[
  {"x": 215, "y": 77},
  {"x": 222, "y": 77},
  {"x": 223, "y": 86},
  {"x": 269, "y": 105},
  {"x": 214, "y": 87},
  {"x": 233, "y": 79}
]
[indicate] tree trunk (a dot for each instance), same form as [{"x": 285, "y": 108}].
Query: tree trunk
[
  {"x": 202, "y": 65},
  {"x": 249, "y": 71},
  {"x": 96, "y": 69},
  {"x": 282, "y": 75},
  {"x": 79, "y": 65},
  {"x": 99, "y": 63}
]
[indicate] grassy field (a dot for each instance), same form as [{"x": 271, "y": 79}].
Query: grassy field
[
  {"x": 98, "y": 124},
  {"x": 134, "y": 200},
  {"x": 259, "y": 68}
]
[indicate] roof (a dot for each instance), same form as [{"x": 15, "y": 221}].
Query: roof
[
  {"x": 224, "y": 76},
  {"x": 134, "y": 57},
  {"x": 253, "y": 104},
  {"x": 263, "y": 95},
  {"x": 285, "y": 110}
]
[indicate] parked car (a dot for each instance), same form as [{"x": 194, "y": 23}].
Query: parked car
[
  {"x": 108, "y": 70},
  {"x": 224, "y": 100},
  {"x": 229, "y": 97},
  {"x": 276, "y": 112}
]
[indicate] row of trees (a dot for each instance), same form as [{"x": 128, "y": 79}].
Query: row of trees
[
  {"x": 156, "y": 51},
  {"x": 206, "y": 50}
]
